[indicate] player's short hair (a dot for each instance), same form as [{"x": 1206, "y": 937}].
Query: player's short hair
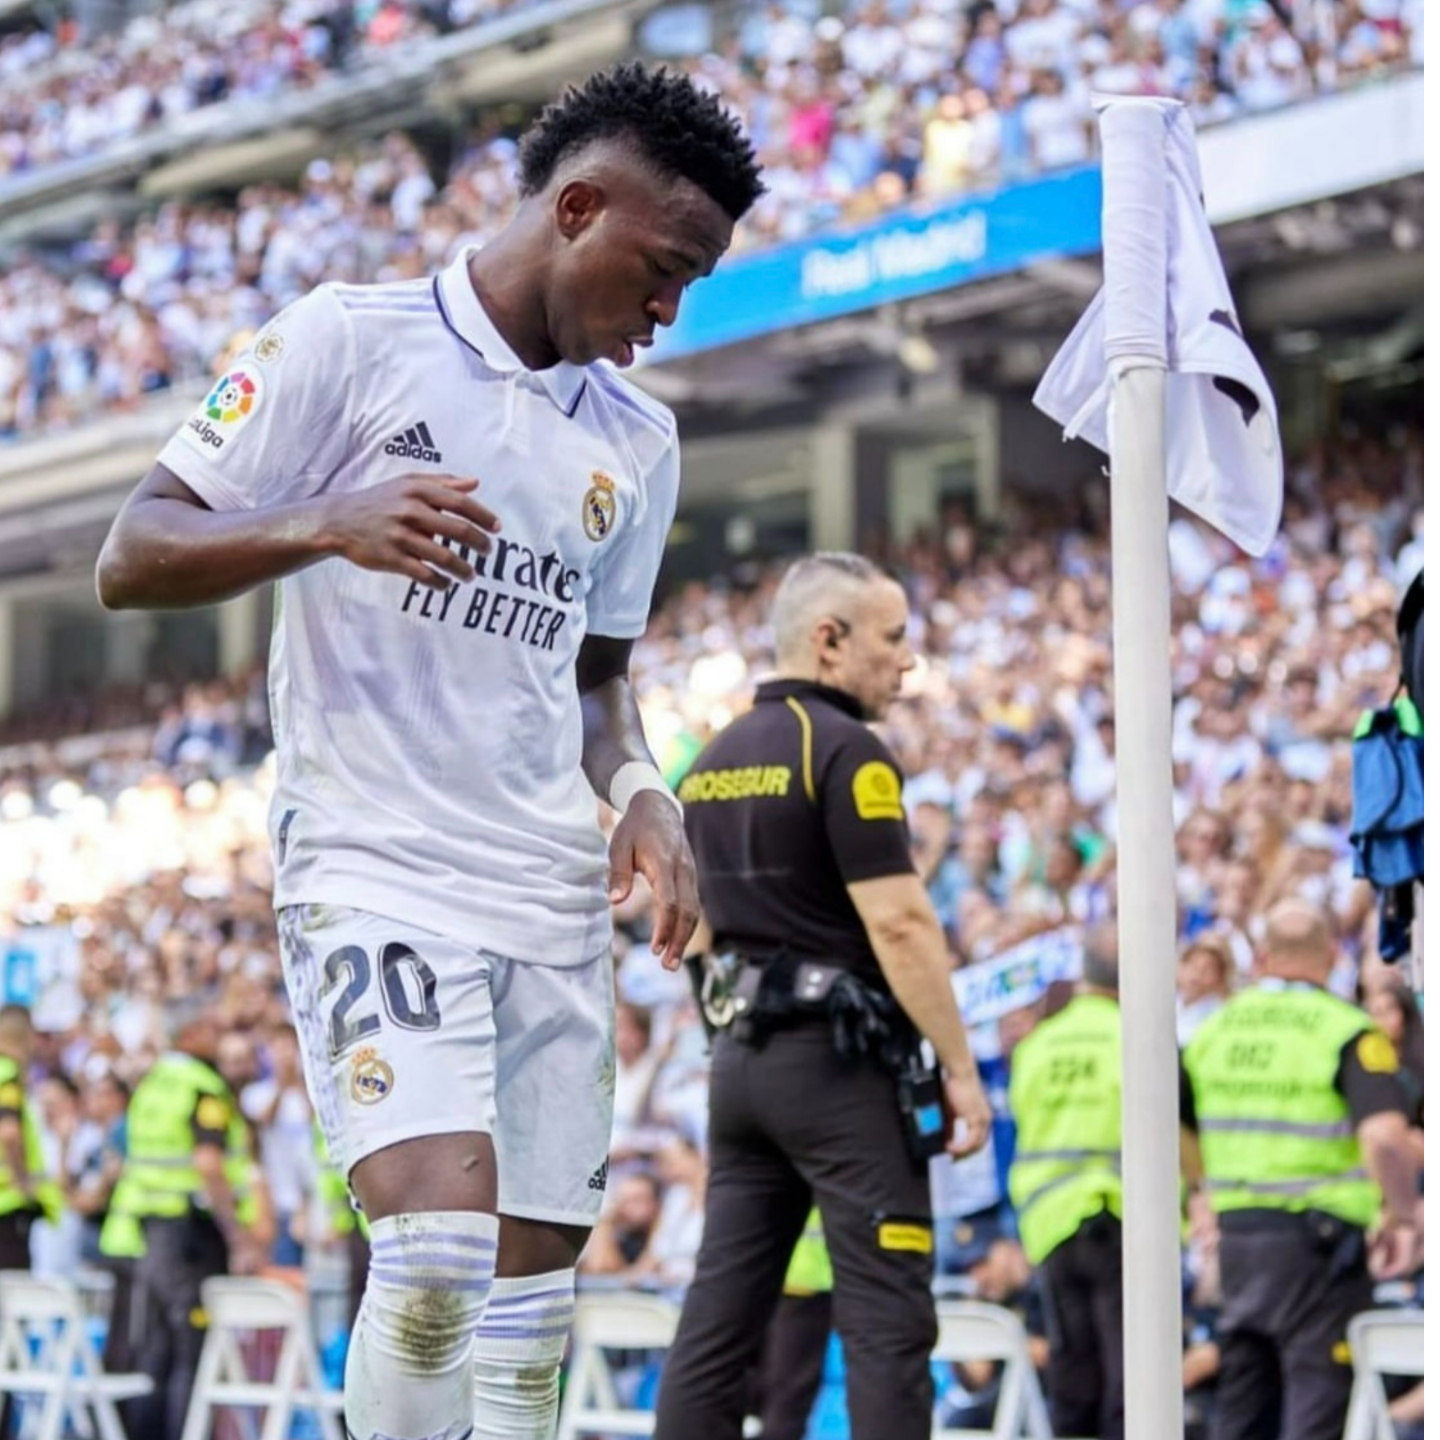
[{"x": 679, "y": 129}]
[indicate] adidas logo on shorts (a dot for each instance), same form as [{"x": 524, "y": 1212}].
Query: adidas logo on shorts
[
  {"x": 597, "y": 1180},
  {"x": 415, "y": 444}
]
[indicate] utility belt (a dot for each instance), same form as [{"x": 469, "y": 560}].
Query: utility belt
[{"x": 752, "y": 998}]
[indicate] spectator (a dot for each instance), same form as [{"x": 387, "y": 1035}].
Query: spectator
[{"x": 1205, "y": 978}]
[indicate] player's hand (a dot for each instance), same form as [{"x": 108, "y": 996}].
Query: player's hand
[
  {"x": 394, "y": 527},
  {"x": 650, "y": 839},
  {"x": 965, "y": 1102},
  {"x": 1395, "y": 1248}
]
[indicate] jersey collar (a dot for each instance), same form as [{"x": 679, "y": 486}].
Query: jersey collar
[
  {"x": 462, "y": 311},
  {"x": 809, "y": 689}
]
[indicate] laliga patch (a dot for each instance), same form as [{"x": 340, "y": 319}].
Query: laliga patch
[
  {"x": 598, "y": 508},
  {"x": 232, "y": 402},
  {"x": 371, "y": 1079},
  {"x": 876, "y": 788},
  {"x": 1376, "y": 1053}
]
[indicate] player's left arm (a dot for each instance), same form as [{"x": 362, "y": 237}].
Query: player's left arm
[{"x": 650, "y": 837}]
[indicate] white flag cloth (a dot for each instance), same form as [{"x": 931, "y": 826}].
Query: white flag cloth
[{"x": 1223, "y": 458}]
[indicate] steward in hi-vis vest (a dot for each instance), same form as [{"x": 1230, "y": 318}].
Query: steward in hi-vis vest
[
  {"x": 186, "y": 1188},
  {"x": 1302, "y": 1121},
  {"x": 1065, "y": 1187},
  {"x": 27, "y": 1194}
]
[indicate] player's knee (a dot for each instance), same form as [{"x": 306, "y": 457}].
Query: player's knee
[
  {"x": 430, "y": 1278},
  {"x": 518, "y": 1350}
]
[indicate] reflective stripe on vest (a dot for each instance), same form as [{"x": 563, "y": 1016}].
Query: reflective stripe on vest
[
  {"x": 1065, "y": 1096},
  {"x": 1275, "y": 1133}
]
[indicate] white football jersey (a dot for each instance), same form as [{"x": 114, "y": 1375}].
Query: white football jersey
[{"x": 429, "y": 740}]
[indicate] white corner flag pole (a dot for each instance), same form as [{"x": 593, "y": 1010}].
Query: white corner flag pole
[{"x": 1132, "y": 136}]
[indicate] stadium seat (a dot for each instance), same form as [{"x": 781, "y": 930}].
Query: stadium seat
[
  {"x": 971, "y": 1330},
  {"x": 620, "y": 1320},
  {"x": 1382, "y": 1342},
  {"x": 236, "y": 1308},
  {"x": 46, "y": 1351}
]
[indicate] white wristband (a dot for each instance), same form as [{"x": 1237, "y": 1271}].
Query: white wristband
[{"x": 633, "y": 777}]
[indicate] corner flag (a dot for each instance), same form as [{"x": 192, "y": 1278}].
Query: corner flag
[{"x": 1223, "y": 458}]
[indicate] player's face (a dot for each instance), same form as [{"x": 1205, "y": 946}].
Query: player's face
[
  {"x": 634, "y": 242},
  {"x": 872, "y": 657}
]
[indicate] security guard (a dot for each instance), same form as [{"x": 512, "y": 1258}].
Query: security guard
[
  {"x": 834, "y": 960},
  {"x": 1303, "y": 1127},
  {"x": 186, "y": 1168},
  {"x": 26, "y": 1195},
  {"x": 343, "y": 1222},
  {"x": 1065, "y": 1186}
]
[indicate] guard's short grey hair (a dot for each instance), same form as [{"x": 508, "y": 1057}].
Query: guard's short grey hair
[
  {"x": 1100, "y": 959},
  {"x": 813, "y": 587}
]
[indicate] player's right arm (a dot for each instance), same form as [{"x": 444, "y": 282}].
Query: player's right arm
[
  {"x": 246, "y": 491},
  {"x": 168, "y": 549}
]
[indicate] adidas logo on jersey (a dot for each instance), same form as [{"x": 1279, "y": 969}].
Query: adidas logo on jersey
[
  {"x": 415, "y": 444},
  {"x": 597, "y": 1180}
]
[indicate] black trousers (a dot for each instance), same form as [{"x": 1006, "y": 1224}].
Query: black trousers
[
  {"x": 14, "y": 1255},
  {"x": 1290, "y": 1285},
  {"x": 792, "y": 1364},
  {"x": 790, "y": 1123},
  {"x": 1080, "y": 1282},
  {"x": 179, "y": 1254}
]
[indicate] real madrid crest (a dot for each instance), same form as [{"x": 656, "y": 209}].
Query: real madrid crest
[
  {"x": 371, "y": 1078},
  {"x": 598, "y": 511},
  {"x": 270, "y": 346}
]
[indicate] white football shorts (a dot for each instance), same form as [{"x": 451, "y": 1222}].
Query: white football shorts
[{"x": 406, "y": 1033}]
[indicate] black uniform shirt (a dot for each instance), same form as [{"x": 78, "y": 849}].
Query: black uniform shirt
[{"x": 784, "y": 808}]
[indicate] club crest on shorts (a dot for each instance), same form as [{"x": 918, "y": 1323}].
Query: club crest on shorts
[
  {"x": 371, "y": 1078},
  {"x": 598, "y": 509}
]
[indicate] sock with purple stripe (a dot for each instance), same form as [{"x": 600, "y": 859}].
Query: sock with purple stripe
[
  {"x": 518, "y": 1349},
  {"x": 408, "y": 1373}
]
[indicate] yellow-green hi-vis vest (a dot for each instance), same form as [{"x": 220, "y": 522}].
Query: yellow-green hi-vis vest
[
  {"x": 46, "y": 1192},
  {"x": 810, "y": 1272},
  {"x": 160, "y": 1180},
  {"x": 1065, "y": 1097},
  {"x": 1275, "y": 1133},
  {"x": 334, "y": 1190}
]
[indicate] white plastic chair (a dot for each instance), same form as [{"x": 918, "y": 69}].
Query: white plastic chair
[
  {"x": 46, "y": 1351},
  {"x": 618, "y": 1320},
  {"x": 236, "y": 1307},
  {"x": 1382, "y": 1342},
  {"x": 971, "y": 1330}
]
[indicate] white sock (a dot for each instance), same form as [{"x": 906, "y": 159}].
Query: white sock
[
  {"x": 407, "y": 1376},
  {"x": 518, "y": 1350}
]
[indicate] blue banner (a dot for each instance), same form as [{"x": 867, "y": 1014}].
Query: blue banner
[{"x": 911, "y": 253}]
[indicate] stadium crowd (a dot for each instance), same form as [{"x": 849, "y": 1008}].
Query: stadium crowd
[
  {"x": 135, "y": 871},
  {"x": 853, "y": 112}
]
